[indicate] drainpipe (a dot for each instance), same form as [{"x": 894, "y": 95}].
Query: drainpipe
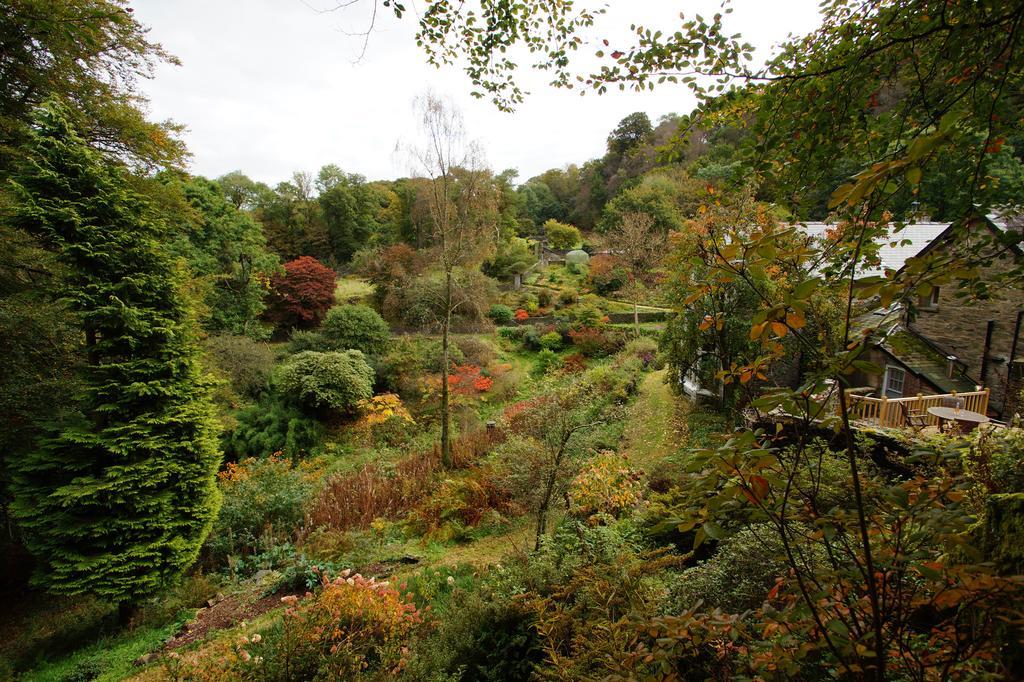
[
  {"x": 1016, "y": 335},
  {"x": 989, "y": 328}
]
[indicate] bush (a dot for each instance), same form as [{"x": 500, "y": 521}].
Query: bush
[
  {"x": 551, "y": 341},
  {"x": 260, "y": 497},
  {"x": 568, "y": 296},
  {"x": 355, "y": 327},
  {"x": 644, "y": 349},
  {"x": 561, "y": 235},
  {"x": 301, "y": 295},
  {"x": 547, "y": 360},
  {"x": 606, "y": 276},
  {"x": 268, "y": 427},
  {"x": 593, "y": 342},
  {"x": 490, "y": 638},
  {"x": 521, "y": 315},
  {"x": 544, "y": 298},
  {"x": 500, "y": 314},
  {"x": 606, "y": 486},
  {"x": 246, "y": 363},
  {"x": 325, "y": 381},
  {"x": 306, "y": 339},
  {"x": 475, "y": 351},
  {"x": 738, "y": 577},
  {"x": 408, "y": 360}
]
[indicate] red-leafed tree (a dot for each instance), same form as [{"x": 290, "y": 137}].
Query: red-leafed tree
[{"x": 302, "y": 295}]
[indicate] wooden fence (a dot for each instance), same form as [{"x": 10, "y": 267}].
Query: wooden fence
[{"x": 893, "y": 413}]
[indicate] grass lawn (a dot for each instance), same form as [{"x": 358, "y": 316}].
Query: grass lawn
[
  {"x": 352, "y": 290},
  {"x": 652, "y": 428}
]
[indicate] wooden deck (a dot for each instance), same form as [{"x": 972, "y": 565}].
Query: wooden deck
[{"x": 893, "y": 413}]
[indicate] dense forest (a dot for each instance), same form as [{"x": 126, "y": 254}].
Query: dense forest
[{"x": 444, "y": 427}]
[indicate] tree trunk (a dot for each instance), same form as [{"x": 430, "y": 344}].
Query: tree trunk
[
  {"x": 636, "y": 318},
  {"x": 549, "y": 488},
  {"x": 446, "y": 445}
]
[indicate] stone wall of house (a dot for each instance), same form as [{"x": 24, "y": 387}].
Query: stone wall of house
[{"x": 958, "y": 327}]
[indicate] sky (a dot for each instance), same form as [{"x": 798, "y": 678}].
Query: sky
[{"x": 270, "y": 87}]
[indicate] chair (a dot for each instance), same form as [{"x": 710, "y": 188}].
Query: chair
[{"x": 915, "y": 419}]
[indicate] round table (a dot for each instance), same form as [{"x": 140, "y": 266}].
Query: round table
[{"x": 953, "y": 414}]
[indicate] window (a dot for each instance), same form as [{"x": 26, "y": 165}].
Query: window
[
  {"x": 931, "y": 301},
  {"x": 893, "y": 384}
]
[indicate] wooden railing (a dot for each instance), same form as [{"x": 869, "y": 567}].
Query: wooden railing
[{"x": 893, "y": 413}]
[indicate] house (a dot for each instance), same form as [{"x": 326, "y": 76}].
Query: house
[{"x": 949, "y": 342}]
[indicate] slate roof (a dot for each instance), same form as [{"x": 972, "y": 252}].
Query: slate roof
[
  {"x": 924, "y": 361},
  {"x": 910, "y": 350},
  {"x": 893, "y": 252}
]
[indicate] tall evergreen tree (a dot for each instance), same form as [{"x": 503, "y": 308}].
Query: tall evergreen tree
[{"x": 120, "y": 495}]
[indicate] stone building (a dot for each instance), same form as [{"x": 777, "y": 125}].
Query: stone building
[{"x": 956, "y": 339}]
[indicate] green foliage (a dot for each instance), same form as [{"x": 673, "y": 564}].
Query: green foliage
[
  {"x": 263, "y": 500},
  {"x": 513, "y": 256},
  {"x": 91, "y": 53},
  {"x": 118, "y": 498},
  {"x": 246, "y": 363},
  {"x": 551, "y": 341},
  {"x": 225, "y": 251},
  {"x": 270, "y": 426},
  {"x": 561, "y": 235},
  {"x": 417, "y": 303},
  {"x": 737, "y": 577},
  {"x": 500, "y": 314},
  {"x": 331, "y": 381},
  {"x": 488, "y": 637},
  {"x": 546, "y": 362},
  {"x": 355, "y": 327}
]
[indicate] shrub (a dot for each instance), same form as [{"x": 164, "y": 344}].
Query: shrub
[
  {"x": 408, "y": 360},
  {"x": 547, "y": 360},
  {"x": 738, "y": 577},
  {"x": 574, "y": 364},
  {"x": 551, "y": 341},
  {"x": 301, "y": 296},
  {"x": 561, "y": 235},
  {"x": 246, "y": 363},
  {"x": 306, "y": 339},
  {"x": 587, "y": 315},
  {"x": 544, "y": 298},
  {"x": 261, "y": 497},
  {"x": 490, "y": 637},
  {"x": 325, "y": 381},
  {"x": 644, "y": 349},
  {"x": 606, "y": 486},
  {"x": 593, "y": 342},
  {"x": 606, "y": 276},
  {"x": 568, "y": 296},
  {"x": 475, "y": 351},
  {"x": 522, "y": 315},
  {"x": 459, "y": 504},
  {"x": 352, "y": 626},
  {"x": 355, "y": 327},
  {"x": 500, "y": 314},
  {"x": 270, "y": 426},
  {"x": 529, "y": 302}
]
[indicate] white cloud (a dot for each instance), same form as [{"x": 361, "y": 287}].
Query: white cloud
[{"x": 271, "y": 86}]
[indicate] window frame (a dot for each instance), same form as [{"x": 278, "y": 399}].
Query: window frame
[{"x": 886, "y": 381}]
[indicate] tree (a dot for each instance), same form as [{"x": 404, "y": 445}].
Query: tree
[
  {"x": 90, "y": 54},
  {"x": 118, "y": 499},
  {"x": 225, "y": 251},
  {"x": 638, "y": 248},
  {"x": 355, "y": 327},
  {"x": 333, "y": 381},
  {"x": 462, "y": 211},
  {"x": 300, "y": 297},
  {"x": 560, "y": 235}
]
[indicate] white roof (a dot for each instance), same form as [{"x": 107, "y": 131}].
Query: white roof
[{"x": 892, "y": 252}]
